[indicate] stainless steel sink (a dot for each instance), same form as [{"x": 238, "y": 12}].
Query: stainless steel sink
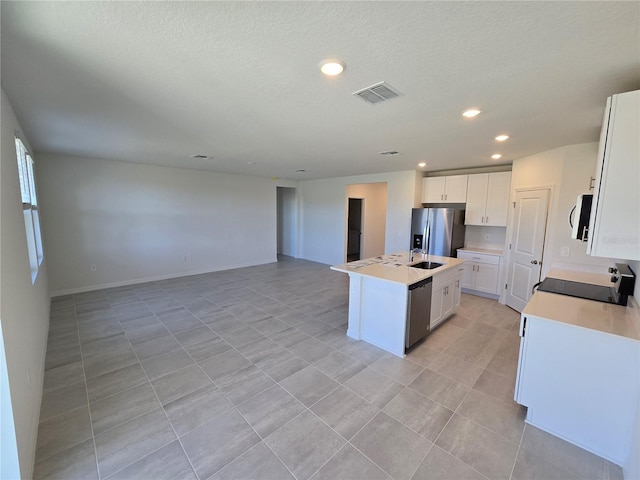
[{"x": 427, "y": 265}]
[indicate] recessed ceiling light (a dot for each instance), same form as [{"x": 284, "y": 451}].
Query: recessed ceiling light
[
  {"x": 251, "y": 163},
  {"x": 332, "y": 67},
  {"x": 471, "y": 112},
  {"x": 422, "y": 164},
  {"x": 502, "y": 138},
  {"x": 496, "y": 156}
]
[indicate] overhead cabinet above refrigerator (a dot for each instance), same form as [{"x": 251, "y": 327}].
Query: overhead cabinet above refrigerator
[{"x": 451, "y": 189}]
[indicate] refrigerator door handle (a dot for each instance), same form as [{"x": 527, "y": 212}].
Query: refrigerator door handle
[{"x": 427, "y": 236}]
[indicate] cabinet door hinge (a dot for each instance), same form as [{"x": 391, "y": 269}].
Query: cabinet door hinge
[
  {"x": 509, "y": 246},
  {"x": 505, "y": 286},
  {"x": 514, "y": 204},
  {"x": 524, "y": 325}
]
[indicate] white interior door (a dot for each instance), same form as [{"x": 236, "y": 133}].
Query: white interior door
[{"x": 527, "y": 245}]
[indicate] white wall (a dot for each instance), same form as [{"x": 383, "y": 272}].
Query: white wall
[
  {"x": 138, "y": 222},
  {"x": 567, "y": 171},
  {"x": 287, "y": 221},
  {"x": 374, "y": 205},
  {"x": 24, "y": 308},
  {"x": 323, "y": 214}
]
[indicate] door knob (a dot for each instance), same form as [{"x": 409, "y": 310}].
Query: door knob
[{"x": 535, "y": 262}]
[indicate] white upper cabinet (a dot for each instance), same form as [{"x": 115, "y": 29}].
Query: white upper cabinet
[
  {"x": 488, "y": 199},
  {"x": 452, "y": 189},
  {"x": 614, "y": 226}
]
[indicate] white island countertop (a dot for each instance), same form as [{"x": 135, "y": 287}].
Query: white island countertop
[
  {"x": 603, "y": 317},
  {"x": 395, "y": 267}
]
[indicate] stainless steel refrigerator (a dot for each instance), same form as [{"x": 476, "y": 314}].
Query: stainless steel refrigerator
[{"x": 437, "y": 231}]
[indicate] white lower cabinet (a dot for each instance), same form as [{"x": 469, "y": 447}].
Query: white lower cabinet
[
  {"x": 579, "y": 384},
  {"x": 480, "y": 272},
  {"x": 445, "y": 297}
]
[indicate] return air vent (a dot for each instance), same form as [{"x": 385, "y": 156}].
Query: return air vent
[
  {"x": 377, "y": 93},
  {"x": 390, "y": 153}
]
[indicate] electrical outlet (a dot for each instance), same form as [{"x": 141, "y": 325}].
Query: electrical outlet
[
  {"x": 187, "y": 257},
  {"x": 93, "y": 268},
  {"x": 564, "y": 251}
]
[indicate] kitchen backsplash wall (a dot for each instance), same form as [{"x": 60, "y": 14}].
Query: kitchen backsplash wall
[{"x": 485, "y": 237}]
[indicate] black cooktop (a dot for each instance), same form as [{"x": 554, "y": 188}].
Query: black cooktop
[{"x": 581, "y": 290}]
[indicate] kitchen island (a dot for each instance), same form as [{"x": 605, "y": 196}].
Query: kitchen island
[
  {"x": 579, "y": 369},
  {"x": 379, "y": 294}
]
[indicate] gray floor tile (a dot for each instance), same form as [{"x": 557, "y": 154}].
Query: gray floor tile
[
  {"x": 420, "y": 414},
  {"x": 344, "y": 411},
  {"x": 166, "y": 363},
  {"x": 281, "y": 364},
  {"x": 392, "y": 446},
  {"x": 363, "y": 352},
  {"x": 61, "y": 356},
  {"x": 180, "y": 325},
  {"x": 241, "y": 336},
  {"x": 531, "y": 467},
  {"x": 62, "y": 376},
  {"x": 113, "y": 344},
  {"x": 304, "y": 444},
  {"x": 349, "y": 463},
  {"x": 336, "y": 338},
  {"x": 260, "y": 349},
  {"x": 339, "y": 366},
  {"x": 456, "y": 369},
  {"x": 440, "y": 465},
  {"x": 504, "y": 419},
  {"x": 485, "y": 451},
  {"x": 122, "y": 407},
  {"x": 180, "y": 383},
  {"x": 127, "y": 443},
  {"x": 308, "y": 385},
  {"x": 257, "y": 462},
  {"x": 474, "y": 348},
  {"x": 442, "y": 337},
  {"x": 195, "y": 336},
  {"x": 224, "y": 364},
  {"x": 147, "y": 333},
  {"x": 496, "y": 386},
  {"x": 244, "y": 384},
  {"x": 289, "y": 337},
  {"x": 78, "y": 461},
  {"x": 374, "y": 386},
  {"x": 422, "y": 354},
  {"x": 445, "y": 391},
  {"x": 563, "y": 454},
  {"x": 62, "y": 400},
  {"x": 169, "y": 462},
  {"x": 115, "y": 382},
  {"x": 108, "y": 362},
  {"x": 217, "y": 443},
  {"x": 98, "y": 329},
  {"x": 269, "y": 410},
  {"x": 197, "y": 408},
  {"x": 399, "y": 369},
  {"x": 269, "y": 326},
  {"x": 62, "y": 432},
  {"x": 207, "y": 349},
  {"x": 312, "y": 350}
]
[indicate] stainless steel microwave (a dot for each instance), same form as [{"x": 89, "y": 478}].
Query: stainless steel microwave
[{"x": 580, "y": 218}]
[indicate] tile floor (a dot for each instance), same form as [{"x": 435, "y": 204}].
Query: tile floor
[{"x": 248, "y": 374}]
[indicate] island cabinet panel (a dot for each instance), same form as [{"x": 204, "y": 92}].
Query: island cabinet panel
[
  {"x": 579, "y": 384},
  {"x": 614, "y": 224},
  {"x": 445, "y": 297}
]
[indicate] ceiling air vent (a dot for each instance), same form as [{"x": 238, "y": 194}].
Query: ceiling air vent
[
  {"x": 389, "y": 153},
  {"x": 378, "y": 93}
]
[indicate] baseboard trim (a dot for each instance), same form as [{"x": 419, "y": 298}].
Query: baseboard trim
[{"x": 124, "y": 283}]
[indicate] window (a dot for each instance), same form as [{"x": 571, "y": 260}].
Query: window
[{"x": 29, "y": 208}]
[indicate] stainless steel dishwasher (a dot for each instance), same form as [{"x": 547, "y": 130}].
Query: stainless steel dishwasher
[{"x": 418, "y": 312}]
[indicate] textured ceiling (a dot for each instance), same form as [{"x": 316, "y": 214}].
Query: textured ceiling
[{"x": 156, "y": 82}]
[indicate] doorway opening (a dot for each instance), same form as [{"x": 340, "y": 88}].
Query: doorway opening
[
  {"x": 365, "y": 220},
  {"x": 354, "y": 229},
  {"x": 287, "y": 222}
]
